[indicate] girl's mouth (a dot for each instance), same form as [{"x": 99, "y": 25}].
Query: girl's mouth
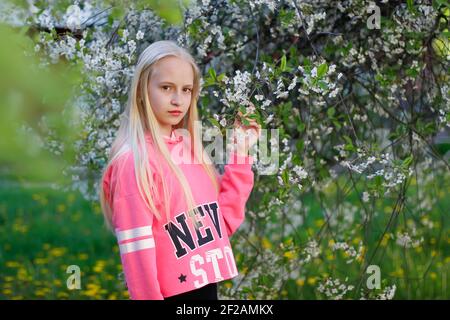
[{"x": 175, "y": 113}]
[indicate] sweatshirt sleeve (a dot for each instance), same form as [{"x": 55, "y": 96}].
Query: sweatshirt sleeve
[
  {"x": 236, "y": 184},
  {"x": 132, "y": 221}
]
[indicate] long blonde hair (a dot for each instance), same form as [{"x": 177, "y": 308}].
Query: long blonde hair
[{"x": 138, "y": 120}]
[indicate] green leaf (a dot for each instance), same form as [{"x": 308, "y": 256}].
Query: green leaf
[
  {"x": 221, "y": 76},
  {"x": 283, "y": 63},
  {"x": 323, "y": 85},
  {"x": 322, "y": 70},
  {"x": 212, "y": 73},
  {"x": 214, "y": 122},
  {"x": 300, "y": 145},
  {"x": 337, "y": 124},
  {"x": 301, "y": 127},
  {"x": 407, "y": 161},
  {"x": 331, "y": 112},
  {"x": 411, "y": 8},
  {"x": 349, "y": 146}
]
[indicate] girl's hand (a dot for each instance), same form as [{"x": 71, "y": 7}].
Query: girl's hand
[{"x": 245, "y": 136}]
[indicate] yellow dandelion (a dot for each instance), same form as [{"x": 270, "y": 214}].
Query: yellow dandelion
[
  {"x": 61, "y": 208},
  {"x": 12, "y": 264},
  {"x": 58, "y": 252},
  {"x": 39, "y": 293},
  {"x": 312, "y": 280},
  {"x": 83, "y": 256},
  {"x": 290, "y": 254},
  {"x": 99, "y": 266},
  {"x": 19, "y": 227},
  {"x": 71, "y": 198},
  {"x": 40, "y": 261},
  {"x": 300, "y": 282},
  {"x": 57, "y": 282},
  {"x": 266, "y": 243},
  {"x": 92, "y": 290},
  {"x": 109, "y": 277},
  {"x": 97, "y": 209},
  {"x": 319, "y": 222},
  {"x": 397, "y": 273},
  {"x": 62, "y": 295},
  {"x": 7, "y": 292},
  {"x": 385, "y": 240},
  {"x": 22, "y": 274},
  {"x": 388, "y": 209}
]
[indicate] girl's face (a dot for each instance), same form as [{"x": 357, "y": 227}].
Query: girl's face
[{"x": 170, "y": 89}]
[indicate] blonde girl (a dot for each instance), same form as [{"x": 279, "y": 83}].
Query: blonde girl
[{"x": 172, "y": 220}]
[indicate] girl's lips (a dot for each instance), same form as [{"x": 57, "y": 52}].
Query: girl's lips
[{"x": 175, "y": 113}]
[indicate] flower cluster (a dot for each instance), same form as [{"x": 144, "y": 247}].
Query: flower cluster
[{"x": 334, "y": 288}]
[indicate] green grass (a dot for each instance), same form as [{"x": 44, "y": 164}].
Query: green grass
[{"x": 43, "y": 231}]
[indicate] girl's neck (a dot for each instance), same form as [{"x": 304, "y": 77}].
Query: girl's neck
[{"x": 166, "y": 132}]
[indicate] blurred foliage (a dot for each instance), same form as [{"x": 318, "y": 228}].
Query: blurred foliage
[{"x": 27, "y": 93}]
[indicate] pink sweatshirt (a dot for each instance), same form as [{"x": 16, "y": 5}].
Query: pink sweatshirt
[{"x": 160, "y": 262}]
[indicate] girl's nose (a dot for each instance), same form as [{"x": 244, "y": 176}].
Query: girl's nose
[{"x": 175, "y": 100}]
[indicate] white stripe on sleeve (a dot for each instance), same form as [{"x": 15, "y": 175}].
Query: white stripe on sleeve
[
  {"x": 136, "y": 245},
  {"x": 134, "y": 233}
]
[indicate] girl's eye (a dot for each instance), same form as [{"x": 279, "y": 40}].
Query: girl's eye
[
  {"x": 188, "y": 90},
  {"x": 165, "y": 87}
]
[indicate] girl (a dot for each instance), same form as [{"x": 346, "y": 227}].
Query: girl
[{"x": 173, "y": 221}]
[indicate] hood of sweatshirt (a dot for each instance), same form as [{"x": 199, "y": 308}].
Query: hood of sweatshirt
[{"x": 173, "y": 139}]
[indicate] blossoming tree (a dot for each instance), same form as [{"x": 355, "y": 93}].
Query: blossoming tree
[{"x": 358, "y": 92}]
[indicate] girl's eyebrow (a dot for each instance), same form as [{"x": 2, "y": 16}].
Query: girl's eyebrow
[{"x": 168, "y": 82}]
